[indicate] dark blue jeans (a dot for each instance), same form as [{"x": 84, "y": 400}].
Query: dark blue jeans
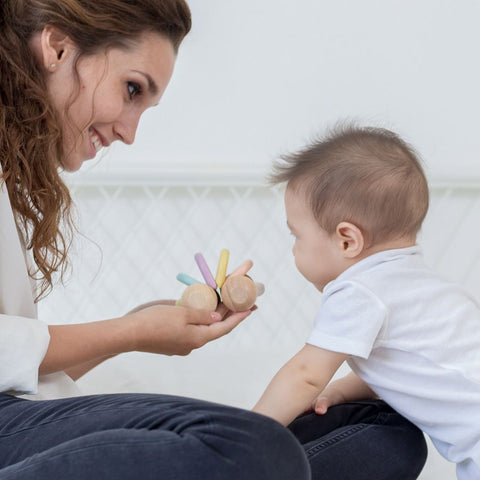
[
  {"x": 142, "y": 437},
  {"x": 361, "y": 441}
]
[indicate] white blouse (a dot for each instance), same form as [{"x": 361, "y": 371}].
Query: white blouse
[{"x": 23, "y": 338}]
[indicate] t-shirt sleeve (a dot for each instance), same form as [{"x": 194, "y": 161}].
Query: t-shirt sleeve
[
  {"x": 349, "y": 321},
  {"x": 23, "y": 345}
]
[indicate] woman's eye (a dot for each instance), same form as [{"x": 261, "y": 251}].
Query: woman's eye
[{"x": 133, "y": 89}]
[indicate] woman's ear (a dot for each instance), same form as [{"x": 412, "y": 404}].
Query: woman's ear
[
  {"x": 55, "y": 47},
  {"x": 349, "y": 239}
]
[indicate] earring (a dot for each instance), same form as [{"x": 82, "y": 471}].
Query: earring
[{"x": 53, "y": 66}]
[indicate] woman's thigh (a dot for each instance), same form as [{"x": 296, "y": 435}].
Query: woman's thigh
[
  {"x": 142, "y": 436},
  {"x": 361, "y": 441}
]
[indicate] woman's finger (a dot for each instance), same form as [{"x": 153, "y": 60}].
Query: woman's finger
[
  {"x": 152, "y": 304},
  {"x": 218, "y": 329},
  {"x": 222, "y": 310}
]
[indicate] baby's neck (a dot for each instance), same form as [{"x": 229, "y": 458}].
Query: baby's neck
[{"x": 403, "y": 242}]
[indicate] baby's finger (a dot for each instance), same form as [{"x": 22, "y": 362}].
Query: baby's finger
[{"x": 321, "y": 405}]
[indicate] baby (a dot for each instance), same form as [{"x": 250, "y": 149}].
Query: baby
[{"x": 355, "y": 202}]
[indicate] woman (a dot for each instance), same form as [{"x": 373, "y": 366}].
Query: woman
[{"x": 75, "y": 76}]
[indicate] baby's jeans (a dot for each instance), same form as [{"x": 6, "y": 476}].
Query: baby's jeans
[
  {"x": 364, "y": 440},
  {"x": 142, "y": 437}
]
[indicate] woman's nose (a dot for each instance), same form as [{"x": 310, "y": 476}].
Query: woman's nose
[{"x": 126, "y": 130}]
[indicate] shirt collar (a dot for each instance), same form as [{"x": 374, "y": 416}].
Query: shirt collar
[{"x": 375, "y": 259}]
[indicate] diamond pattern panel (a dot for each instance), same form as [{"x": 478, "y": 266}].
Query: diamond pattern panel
[{"x": 136, "y": 239}]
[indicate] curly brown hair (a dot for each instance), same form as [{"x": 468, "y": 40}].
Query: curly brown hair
[{"x": 31, "y": 141}]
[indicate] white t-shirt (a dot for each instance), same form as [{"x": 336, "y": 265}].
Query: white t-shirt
[
  {"x": 414, "y": 338},
  {"x": 23, "y": 338}
]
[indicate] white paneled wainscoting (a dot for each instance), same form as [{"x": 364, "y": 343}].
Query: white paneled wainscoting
[{"x": 139, "y": 231}]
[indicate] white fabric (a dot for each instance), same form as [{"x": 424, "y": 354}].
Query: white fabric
[
  {"x": 415, "y": 339},
  {"x": 23, "y": 338}
]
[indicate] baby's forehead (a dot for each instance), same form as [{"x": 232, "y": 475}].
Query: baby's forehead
[
  {"x": 299, "y": 187},
  {"x": 299, "y": 193}
]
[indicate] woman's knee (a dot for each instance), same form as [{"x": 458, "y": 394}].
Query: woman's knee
[{"x": 272, "y": 451}]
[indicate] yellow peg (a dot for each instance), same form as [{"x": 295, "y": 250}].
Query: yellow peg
[{"x": 222, "y": 268}]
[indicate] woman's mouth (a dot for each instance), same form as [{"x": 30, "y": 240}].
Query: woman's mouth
[{"x": 95, "y": 140}]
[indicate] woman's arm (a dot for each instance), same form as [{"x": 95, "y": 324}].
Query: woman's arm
[
  {"x": 161, "y": 329},
  {"x": 79, "y": 370},
  {"x": 155, "y": 327},
  {"x": 298, "y": 382}
]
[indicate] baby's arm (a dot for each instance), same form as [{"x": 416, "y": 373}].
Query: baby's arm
[
  {"x": 298, "y": 383},
  {"x": 345, "y": 389}
]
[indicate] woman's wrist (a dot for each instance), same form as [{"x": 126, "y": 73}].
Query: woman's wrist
[
  {"x": 72, "y": 345},
  {"x": 131, "y": 326},
  {"x": 124, "y": 335}
]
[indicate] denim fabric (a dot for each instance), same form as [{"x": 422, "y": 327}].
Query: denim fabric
[
  {"x": 361, "y": 441},
  {"x": 142, "y": 437}
]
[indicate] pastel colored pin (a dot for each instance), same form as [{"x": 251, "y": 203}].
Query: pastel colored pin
[
  {"x": 186, "y": 279},
  {"x": 205, "y": 271},
  {"x": 222, "y": 268},
  {"x": 260, "y": 288},
  {"x": 243, "y": 268}
]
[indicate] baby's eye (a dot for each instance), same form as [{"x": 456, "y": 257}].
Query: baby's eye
[{"x": 134, "y": 89}]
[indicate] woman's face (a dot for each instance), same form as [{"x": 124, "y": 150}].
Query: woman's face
[{"x": 116, "y": 87}]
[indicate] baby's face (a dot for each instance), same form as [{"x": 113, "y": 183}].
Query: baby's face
[{"x": 316, "y": 253}]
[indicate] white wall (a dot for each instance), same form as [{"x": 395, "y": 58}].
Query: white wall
[{"x": 257, "y": 77}]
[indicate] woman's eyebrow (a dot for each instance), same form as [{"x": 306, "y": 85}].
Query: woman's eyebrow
[{"x": 152, "y": 86}]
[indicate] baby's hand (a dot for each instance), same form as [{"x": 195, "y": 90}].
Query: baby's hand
[{"x": 329, "y": 397}]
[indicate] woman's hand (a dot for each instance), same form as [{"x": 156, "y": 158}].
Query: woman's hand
[
  {"x": 152, "y": 304},
  {"x": 172, "y": 330}
]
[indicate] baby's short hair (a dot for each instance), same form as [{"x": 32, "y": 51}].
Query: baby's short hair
[{"x": 363, "y": 175}]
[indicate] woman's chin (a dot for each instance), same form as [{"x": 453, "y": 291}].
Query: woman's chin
[{"x": 72, "y": 164}]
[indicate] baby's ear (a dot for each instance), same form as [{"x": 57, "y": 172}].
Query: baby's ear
[{"x": 349, "y": 239}]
